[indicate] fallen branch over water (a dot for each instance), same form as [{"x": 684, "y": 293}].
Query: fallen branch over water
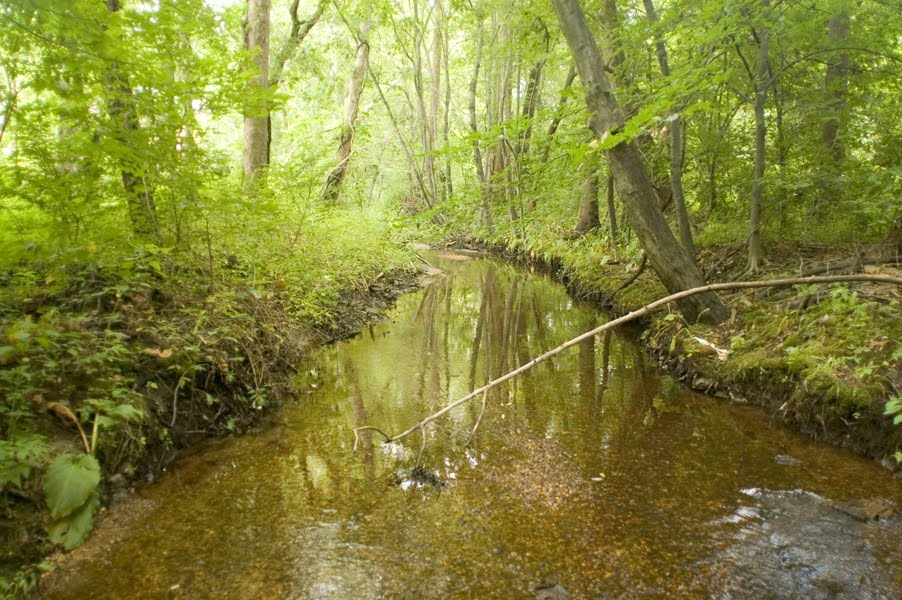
[{"x": 648, "y": 308}]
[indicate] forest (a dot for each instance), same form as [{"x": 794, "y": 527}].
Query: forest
[{"x": 194, "y": 194}]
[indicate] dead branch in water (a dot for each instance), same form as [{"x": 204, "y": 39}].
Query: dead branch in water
[{"x": 648, "y": 308}]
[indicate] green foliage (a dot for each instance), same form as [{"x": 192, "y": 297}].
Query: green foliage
[
  {"x": 70, "y": 487},
  {"x": 72, "y": 530},
  {"x": 894, "y": 409},
  {"x": 19, "y": 457},
  {"x": 70, "y": 482}
]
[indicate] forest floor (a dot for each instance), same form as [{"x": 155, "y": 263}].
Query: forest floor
[{"x": 823, "y": 360}]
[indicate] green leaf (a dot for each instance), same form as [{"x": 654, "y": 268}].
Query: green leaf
[
  {"x": 126, "y": 412},
  {"x": 71, "y": 531},
  {"x": 69, "y": 483}
]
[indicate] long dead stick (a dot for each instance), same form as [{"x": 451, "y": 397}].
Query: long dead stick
[{"x": 625, "y": 319}]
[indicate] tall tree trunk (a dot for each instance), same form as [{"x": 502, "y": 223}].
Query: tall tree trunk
[
  {"x": 426, "y": 136},
  {"x": 677, "y": 126},
  {"x": 435, "y": 98},
  {"x": 487, "y": 219},
  {"x": 142, "y": 210},
  {"x": 588, "y": 205},
  {"x": 351, "y": 105},
  {"x": 446, "y": 126},
  {"x": 669, "y": 259},
  {"x": 836, "y": 84},
  {"x": 762, "y": 84},
  {"x": 255, "y": 156}
]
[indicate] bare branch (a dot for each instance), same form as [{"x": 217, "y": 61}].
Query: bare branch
[{"x": 648, "y": 308}]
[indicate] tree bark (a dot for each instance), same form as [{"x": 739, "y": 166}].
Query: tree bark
[
  {"x": 142, "y": 210},
  {"x": 612, "y": 209},
  {"x": 676, "y": 142},
  {"x": 487, "y": 219},
  {"x": 255, "y": 156},
  {"x": 435, "y": 85},
  {"x": 669, "y": 259},
  {"x": 588, "y": 206},
  {"x": 351, "y": 105},
  {"x": 762, "y": 83},
  {"x": 836, "y": 83}
]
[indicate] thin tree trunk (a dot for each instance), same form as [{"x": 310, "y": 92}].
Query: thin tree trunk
[
  {"x": 669, "y": 259},
  {"x": 762, "y": 84},
  {"x": 487, "y": 219},
  {"x": 836, "y": 84},
  {"x": 436, "y": 87},
  {"x": 446, "y": 127},
  {"x": 255, "y": 156},
  {"x": 558, "y": 113},
  {"x": 352, "y": 103},
  {"x": 612, "y": 209},
  {"x": 676, "y": 142},
  {"x": 408, "y": 154},
  {"x": 588, "y": 206},
  {"x": 422, "y": 120},
  {"x": 142, "y": 211}
]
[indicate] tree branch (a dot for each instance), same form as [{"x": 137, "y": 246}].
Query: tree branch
[{"x": 648, "y": 308}]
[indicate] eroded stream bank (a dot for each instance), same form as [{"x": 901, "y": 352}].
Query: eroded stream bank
[{"x": 595, "y": 473}]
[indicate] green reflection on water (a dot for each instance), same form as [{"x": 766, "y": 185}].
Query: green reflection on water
[{"x": 593, "y": 469}]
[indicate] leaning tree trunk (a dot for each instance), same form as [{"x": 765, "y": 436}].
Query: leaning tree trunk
[
  {"x": 762, "y": 84},
  {"x": 255, "y": 155},
  {"x": 142, "y": 211},
  {"x": 669, "y": 259},
  {"x": 352, "y": 103}
]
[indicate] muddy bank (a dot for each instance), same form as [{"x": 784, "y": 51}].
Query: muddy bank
[{"x": 832, "y": 406}]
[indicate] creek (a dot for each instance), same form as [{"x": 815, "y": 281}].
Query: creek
[{"x": 593, "y": 475}]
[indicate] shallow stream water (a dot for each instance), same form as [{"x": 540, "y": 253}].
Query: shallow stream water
[{"x": 594, "y": 475}]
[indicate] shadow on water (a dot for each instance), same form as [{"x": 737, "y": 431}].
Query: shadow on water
[{"x": 593, "y": 473}]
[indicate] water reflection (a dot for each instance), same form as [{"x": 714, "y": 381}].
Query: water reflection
[{"x": 591, "y": 470}]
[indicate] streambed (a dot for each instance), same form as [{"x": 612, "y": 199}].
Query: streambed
[{"x": 594, "y": 475}]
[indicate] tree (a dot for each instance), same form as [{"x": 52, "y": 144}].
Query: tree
[
  {"x": 669, "y": 259},
  {"x": 762, "y": 85},
  {"x": 141, "y": 207},
  {"x": 351, "y": 107},
  {"x": 256, "y": 119},
  {"x": 676, "y": 141}
]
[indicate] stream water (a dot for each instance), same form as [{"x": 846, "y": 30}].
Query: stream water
[{"x": 595, "y": 475}]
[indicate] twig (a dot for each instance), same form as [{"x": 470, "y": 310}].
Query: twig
[
  {"x": 648, "y": 308},
  {"x": 485, "y": 395},
  {"x": 632, "y": 278},
  {"x": 856, "y": 263},
  {"x": 357, "y": 431}
]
